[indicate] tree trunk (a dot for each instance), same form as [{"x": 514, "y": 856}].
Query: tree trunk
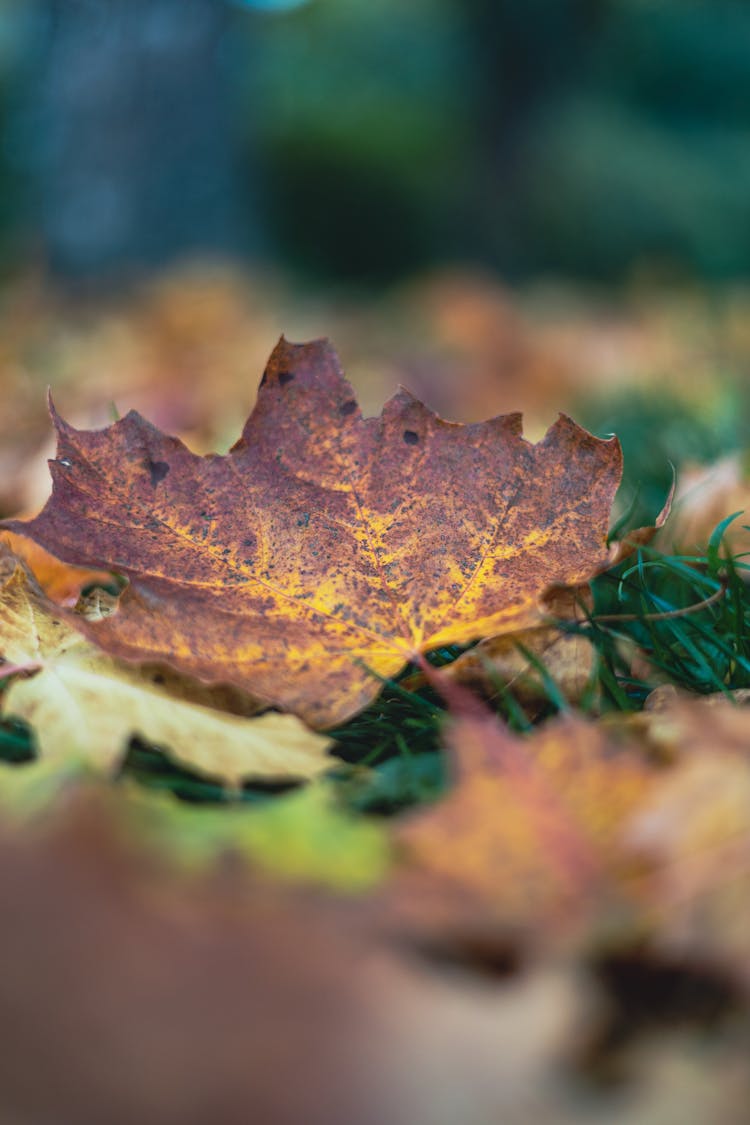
[{"x": 132, "y": 153}]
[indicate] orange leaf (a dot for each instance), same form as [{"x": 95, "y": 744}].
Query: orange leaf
[
  {"x": 61, "y": 583},
  {"x": 326, "y": 549},
  {"x": 532, "y": 827}
]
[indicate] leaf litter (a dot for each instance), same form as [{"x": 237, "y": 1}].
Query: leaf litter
[{"x": 597, "y": 870}]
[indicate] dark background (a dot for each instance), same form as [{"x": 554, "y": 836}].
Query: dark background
[{"x": 363, "y": 140}]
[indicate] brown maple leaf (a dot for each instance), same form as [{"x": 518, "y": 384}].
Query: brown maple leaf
[{"x": 326, "y": 549}]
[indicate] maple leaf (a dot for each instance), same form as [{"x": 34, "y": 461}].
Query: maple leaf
[
  {"x": 82, "y": 703},
  {"x": 531, "y": 828},
  {"x": 326, "y": 549}
]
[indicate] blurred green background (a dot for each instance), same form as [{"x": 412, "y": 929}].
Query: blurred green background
[{"x": 362, "y": 140}]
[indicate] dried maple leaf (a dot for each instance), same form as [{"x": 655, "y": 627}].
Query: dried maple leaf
[
  {"x": 326, "y": 549},
  {"x": 83, "y": 703}
]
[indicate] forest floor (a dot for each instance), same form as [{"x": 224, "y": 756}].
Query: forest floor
[{"x": 516, "y": 883}]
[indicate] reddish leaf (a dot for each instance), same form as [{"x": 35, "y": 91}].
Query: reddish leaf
[
  {"x": 326, "y": 547},
  {"x": 531, "y": 829}
]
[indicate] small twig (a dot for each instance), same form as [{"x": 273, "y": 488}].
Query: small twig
[{"x": 667, "y": 614}]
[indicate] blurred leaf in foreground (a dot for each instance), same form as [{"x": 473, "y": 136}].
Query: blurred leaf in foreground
[
  {"x": 302, "y": 836},
  {"x": 531, "y": 828}
]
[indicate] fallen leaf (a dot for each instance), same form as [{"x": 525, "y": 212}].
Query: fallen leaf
[
  {"x": 502, "y": 662},
  {"x": 326, "y": 550},
  {"x": 677, "y": 723},
  {"x": 139, "y": 994},
  {"x": 61, "y": 582},
  {"x": 532, "y": 826},
  {"x": 705, "y": 496},
  {"x": 302, "y": 836},
  {"x": 82, "y": 703},
  {"x": 691, "y": 840}
]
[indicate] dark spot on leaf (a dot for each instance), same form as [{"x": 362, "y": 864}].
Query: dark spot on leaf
[
  {"x": 157, "y": 471},
  {"x": 410, "y": 437},
  {"x": 158, "y": 678},
  {"x": 304, "y": 520},
  {"x": 348, "y": 407},
  {"x": 248, "y": 541},
  {"x": 285, "y": 377}
]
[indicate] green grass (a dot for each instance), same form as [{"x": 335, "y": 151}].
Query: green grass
[
  {"x": 16, "y": 744},
  {"x": 659, "y": 433},
  {"x": 703, "y": 650}
]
